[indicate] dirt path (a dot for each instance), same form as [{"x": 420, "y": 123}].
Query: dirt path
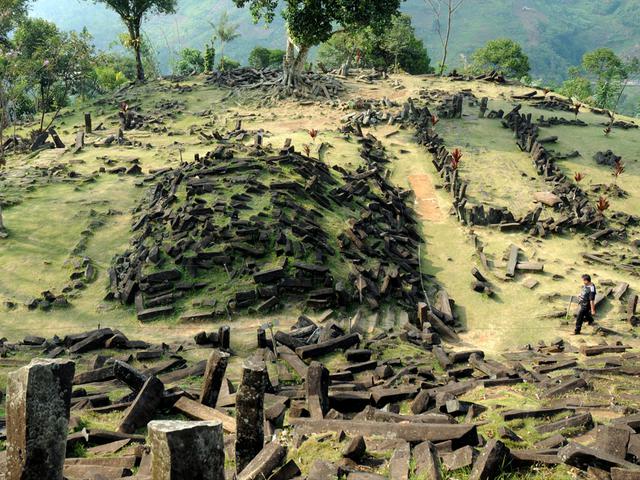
[{"x": 426, "y": 200}]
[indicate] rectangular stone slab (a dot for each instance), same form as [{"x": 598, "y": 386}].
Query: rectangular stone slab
[
  {"x": 415, "y": 432},
  {"x": 582, "y": 420},
  {"x": 197, "y": 411},
  {"x": 344, "y": 342},
  {"x": 269, "y": 458}
]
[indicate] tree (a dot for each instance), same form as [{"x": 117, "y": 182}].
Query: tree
[
  {"x": 397, "y": 39},
  {"x": 149, "y": 57},
  {"x": 190, "y": 61},
  {"x": 132, "y": 13},
  {"x": 396, "y": 47},
  {"x": 444, "y": 8},
  {"x": 113, "y": 70},
  {"x": 310, "y": 23},
  {"x": 55, "y": 64},
  {"x": 602, "y": 78},
  {"x": 11, "y": 13},
  {"x": 611, "y": 75},
  {"x": 503, "y": 55},
  {"x": 261, "y": 57},
  {"x": 209, "y": 57},
  {"x": 225, "y": 31},
  {"x": 576, "y": 86}
]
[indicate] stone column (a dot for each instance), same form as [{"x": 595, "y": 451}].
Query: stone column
[
  {"x": 38, "y": 400},
  {"x": 213, "y": 376},
  {"x": 224, "y": 337},
  {"x": 317, "y": 390},
  {"x": 181, "y": 450},
  {"x": 250, "y": 413}
]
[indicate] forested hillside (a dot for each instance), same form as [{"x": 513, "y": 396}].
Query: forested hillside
[{"x": 555, "y": 33}]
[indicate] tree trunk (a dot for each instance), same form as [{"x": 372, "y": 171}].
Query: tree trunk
[
  {"x": 1, "y": 222},
  {"x": 136, "y": 43},
  {"x": 3, "y": 115},
  {"x": 346, "y": 66},
  {"x": 43, "y": 107},
  {"x": 293, "y": 63},
  {"x": 445, "y": 47}
]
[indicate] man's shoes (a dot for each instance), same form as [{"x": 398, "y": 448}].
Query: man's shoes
[{"x": 575, "y": 333}]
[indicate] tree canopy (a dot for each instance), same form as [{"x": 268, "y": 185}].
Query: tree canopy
[
  {"x": 312, "y": 22},
  {"x": 502, "y": 55},
  {"x": 54, "y": 64},
  {"x": 601, "y": 79},
  {"x": 261, "y": 57},
  {"x": 132, "y": 13},
  {"x": 397, "y": 46},
  {"x": 11, "y": 12}
]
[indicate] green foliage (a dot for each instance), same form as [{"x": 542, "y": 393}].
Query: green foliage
[
  {"x": 576, "y": 86},
  {"x": 601, "y": 79},
  {"x": 502, "y": 55},
  {"x": 397, "y": 47},
  {"x": 311, "y": 23},
  {"x": 190, "y": 61},
  {"x": 209, "y": 58},
  {"x": 11, "y": 13},
  {"x": 261, "y": 57},
  {"x": 54, "y": 64},
  {"x": 225, "y": 31},
  {"x": 108, "y": 78},
  {"x": 147, "y": 55},
  {"x": 227, "y": 63},
  {"x": 132, "y": 13}
]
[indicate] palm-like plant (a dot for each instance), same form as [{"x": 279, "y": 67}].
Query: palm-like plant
[
  {"x": 456, "y": 156},
  {"x": 313, "y": 133},
  {"x": 602, "y": 205},
  {"x": 618, "y": 169},
  {"x": 578, "y": 177},
  {"x": 225, "y": 31}
]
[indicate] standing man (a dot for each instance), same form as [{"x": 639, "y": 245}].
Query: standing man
[{"x": 587, "y": 301}]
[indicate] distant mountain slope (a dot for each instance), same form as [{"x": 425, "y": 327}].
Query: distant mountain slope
[{"x": 555, "y": 33}]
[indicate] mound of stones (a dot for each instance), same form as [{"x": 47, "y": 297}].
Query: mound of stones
[
  {"x": 309, "y": 83},
  {"x": 270, "y": 223},
  {"x": 606, "y": 158},
  {"x": 356, "y": 406}
]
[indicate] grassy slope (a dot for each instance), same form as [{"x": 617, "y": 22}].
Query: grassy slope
[{"x": 48, "y": 224}]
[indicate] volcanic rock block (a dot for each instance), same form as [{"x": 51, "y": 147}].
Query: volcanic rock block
[
  {"x": 427, "y": 461},
  {"x": 94, "y": 341},
  {"x": 583, "y": 457},
  {"x": 213, "y": 376},
  {"x": 129, "y": 375},
  {"x": 344, "y": 342},
  {"x": 250, "y": 414},
  {"x": 460, "y": 458},
  {"x": 317, "y": 386},
  {"x": 400, "y": 462},
  {"x": 181, "y": 450},
  {"x": 490, "y": 462},
  {"x": 624, "y": 474},
  {"x": 576, "y": 421},
  {"x": 356, "y": 448},
  {"x": 613, "y": 440},
  {"x": 38, "y": 400},
  {"x": 143, "y": 407},
  {"x": 264, "y": 463},
  {"x": 288, "y": 471},
  {"x": 422, "y": 402}
]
